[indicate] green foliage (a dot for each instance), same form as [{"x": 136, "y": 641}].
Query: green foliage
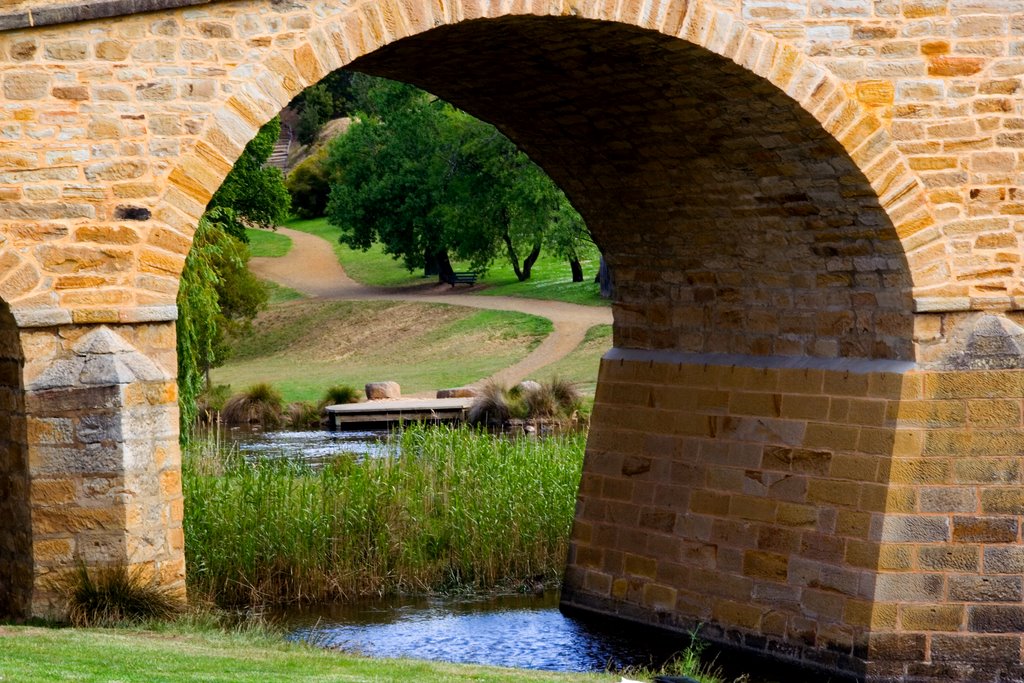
[
  {"x": 309, "y": 186},
  {"x": 217, "y": 298},
  {"x": 446, "y": 508},
  {"x": 690, "y": 663},
  {"x": 114, "y": 595},
  {"x": 430, "y": 183},
  {"x": 255, "y": 193},
  {"x": 317, "y": 107}
]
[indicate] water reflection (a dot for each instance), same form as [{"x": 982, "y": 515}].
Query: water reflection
[{"x": 523, "y": 631}]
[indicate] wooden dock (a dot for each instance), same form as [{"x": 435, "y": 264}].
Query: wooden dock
[{"x": 389, "y": 412}]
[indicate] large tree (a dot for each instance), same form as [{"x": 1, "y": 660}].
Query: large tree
[{"x": 430, "y": 183}]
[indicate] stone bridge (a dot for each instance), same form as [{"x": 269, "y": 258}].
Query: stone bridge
[{"x": 808, "y": 436}]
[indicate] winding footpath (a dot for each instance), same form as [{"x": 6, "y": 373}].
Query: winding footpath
[{"x": 310, "y": 267}]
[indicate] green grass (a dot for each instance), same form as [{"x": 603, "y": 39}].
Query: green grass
[
  {"x": 267, "y": 243},
  {"x": 551, "y": 277},
  {"x": 582, "y": 364},
  {"x": 372, "y": 267},
  {"x": 448, "y": 508},
  {"x": 279, "y": 294},
  {"x": 304, "y": 347},
  {"x": 42, "y": 655}
]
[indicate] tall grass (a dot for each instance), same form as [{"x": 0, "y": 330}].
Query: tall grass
[{"x": 450, "y": 508}]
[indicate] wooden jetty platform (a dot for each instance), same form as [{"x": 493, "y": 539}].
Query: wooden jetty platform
[{"x": 388, "y": 412}]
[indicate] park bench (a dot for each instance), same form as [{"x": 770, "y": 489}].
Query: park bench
[{"x": 467, "y": 277}]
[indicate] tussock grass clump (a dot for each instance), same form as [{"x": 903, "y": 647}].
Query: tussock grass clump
[
  {"x": 114, "y": 595},
  {"x": 341, "y": 393},
  {"x": 493, "y": 405},
  {"x": 261, "y": 404},
  {"x": 448, "y": 508},
  {"x": 557, "y": 399},
  {"x": 303, "y": 415}
]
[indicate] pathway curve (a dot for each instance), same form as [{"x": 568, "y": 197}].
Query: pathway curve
[{"x": 310, "y": 267}]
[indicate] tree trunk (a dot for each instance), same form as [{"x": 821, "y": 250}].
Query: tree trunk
[
  {"x": 577, "y": 269},
  {"x": 512, "y": 256},
  {"x": 444, "y": 266},
  {"x": 429, "y": 262},
  {"x": 530, "y": 260},
  {"x": 604, "y": 277}
]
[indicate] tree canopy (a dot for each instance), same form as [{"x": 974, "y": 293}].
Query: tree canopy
[
  {"x": 254, "y": 192},
  {"x": 430, "y": 183}
]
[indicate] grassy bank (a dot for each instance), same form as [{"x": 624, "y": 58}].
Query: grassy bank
[
  {"x": 457, "y": 509},
  {"x": 306, "y": 346},
  {"x": 30, "y": 655},
  {"x": 551, "y": 278},
  {"x": 581, "y": 366}
]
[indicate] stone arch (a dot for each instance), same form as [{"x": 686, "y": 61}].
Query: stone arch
[
  {"x": 16, "y": 530},
  {"x": 364, "y": 30}
]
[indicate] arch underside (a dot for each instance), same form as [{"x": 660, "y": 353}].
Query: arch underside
[
  {"x": 732, "y": 221},
  {"x": 15, "y": 518}
]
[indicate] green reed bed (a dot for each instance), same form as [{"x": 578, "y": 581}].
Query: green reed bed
[{"x": 449, "y": 508}]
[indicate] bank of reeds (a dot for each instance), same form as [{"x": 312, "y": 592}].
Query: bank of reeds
[{"x": 450, "y": 508}]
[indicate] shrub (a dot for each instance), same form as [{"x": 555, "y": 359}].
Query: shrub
[
  {"x": 114, "y": 595},
  {"x": 566, "y": 394},
  {"x": 490, "y": 406},
  {"x": 259, "y": 404},
  {"x": 341, "y": 393}
]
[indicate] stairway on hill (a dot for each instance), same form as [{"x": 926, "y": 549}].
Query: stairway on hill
[{"x": 279, "y": 157}]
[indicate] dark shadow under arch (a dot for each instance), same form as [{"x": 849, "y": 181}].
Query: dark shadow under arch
[
  {"x": 15, "y": 516},
  {"x": 734, "y": 223}
]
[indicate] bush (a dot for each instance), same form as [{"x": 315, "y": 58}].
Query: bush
[
  {"x": 260, "y": 404},
  {"x": 558, "y": 398},
  {"x": 309, "y": 186},
  {"x": 115, "y": 595},
  {"x": 341, "y": 393},
  {"x": 491, "y": 406}
]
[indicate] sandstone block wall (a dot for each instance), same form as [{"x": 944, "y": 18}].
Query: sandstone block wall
[
  {"x": 104, "y": 460},
  {"x": 863, "y": 518}
]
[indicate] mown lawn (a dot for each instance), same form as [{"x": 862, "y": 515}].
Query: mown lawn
[
  {"x": 551, "y": 277},
  {"x": 30, "y": 655},
  {"x": 267, "y": 243}
]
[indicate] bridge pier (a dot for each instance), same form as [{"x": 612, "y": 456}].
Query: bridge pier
[
  {"x": 93, "y": 460},
  {"x": 860, "y": 516}
]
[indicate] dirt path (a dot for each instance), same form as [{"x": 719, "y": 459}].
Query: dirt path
[{"x": 310, "y": 267}]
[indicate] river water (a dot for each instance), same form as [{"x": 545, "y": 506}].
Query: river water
[
  {"x": 521, "y": 631},
  {"x": 525, "y": 631}
]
